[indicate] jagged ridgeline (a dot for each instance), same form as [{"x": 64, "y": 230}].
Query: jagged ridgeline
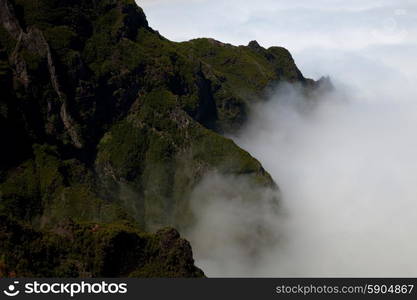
[{"x": 106, "y": 127}]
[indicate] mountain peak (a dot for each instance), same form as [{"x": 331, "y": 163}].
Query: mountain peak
[{"x": 254, "y": 45}]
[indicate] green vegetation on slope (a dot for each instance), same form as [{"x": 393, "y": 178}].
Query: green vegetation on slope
[
  {"x": 92, "y": 250},
  {"x": 105, "y": 122}
]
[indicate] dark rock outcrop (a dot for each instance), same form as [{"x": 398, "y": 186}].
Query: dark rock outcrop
[{"x": 92, "y": 250}]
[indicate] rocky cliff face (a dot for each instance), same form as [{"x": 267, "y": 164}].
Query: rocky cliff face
[
  {"x": 105, "y": 122},
  {"x": 93, "y": 250}
]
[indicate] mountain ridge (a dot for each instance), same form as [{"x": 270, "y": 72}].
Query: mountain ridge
[{"x": 106, "y": 122}]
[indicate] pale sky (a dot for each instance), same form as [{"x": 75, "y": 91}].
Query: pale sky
[
  {"x": 294, "y": 24},
  {"x": 309, "y": 29}
]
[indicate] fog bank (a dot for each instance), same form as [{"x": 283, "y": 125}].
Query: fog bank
[{"x": 347, "y": 170}]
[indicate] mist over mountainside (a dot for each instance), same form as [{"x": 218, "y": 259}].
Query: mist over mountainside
[
  {"x": 113, "y": 135},
  {"x": 346, "y": 167},
  {"x": 108, "y": 129},
  {"x": 347, "y": 175}
]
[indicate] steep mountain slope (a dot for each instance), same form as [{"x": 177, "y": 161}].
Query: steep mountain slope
[{"x": 104, "y": 122}]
